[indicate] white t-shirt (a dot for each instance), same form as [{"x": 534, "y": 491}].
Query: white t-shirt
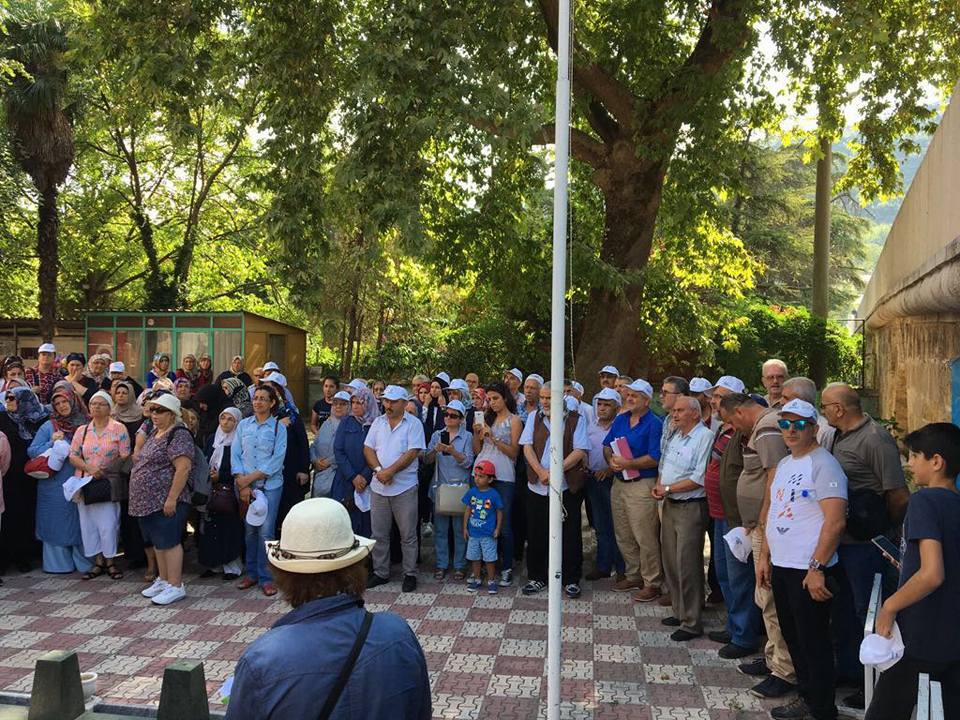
[
  {"x": 581, "y": 441},
  {"x": 389, "y": 444},
  {"x": 795, "y": 517}
]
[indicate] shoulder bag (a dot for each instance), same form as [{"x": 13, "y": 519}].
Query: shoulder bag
[{"x": 99, "y": 489}]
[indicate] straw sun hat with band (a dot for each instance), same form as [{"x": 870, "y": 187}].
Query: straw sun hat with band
[{"x": 317, "y": 538}]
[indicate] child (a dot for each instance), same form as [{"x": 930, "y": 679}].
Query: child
[
  {"x": 929, "y": 591},
  {"x": 479, "y": 527}
]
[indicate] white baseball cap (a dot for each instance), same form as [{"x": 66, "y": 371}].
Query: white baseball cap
[
  {"x": 47, "y": 347},
  {"x": 699, "y": 385},
  {"x": 458, "y": 406},
  {"x": 257, "y": 512},
  {"x": 641, "y": 386},
  {"x": 118, "y": 367},
  {"x": 608, "y": 394},
  {"x": 458, "y": 384},
  {"x": 270, "y": 366},
  {"x": 277, "y": 378},
  {"x": 577, "y": 386},
  {"x": 394, "y": 392},
  {"x": 356, "y": 384},
  {"x": 516, "y": 373},
  {"x": 342, "y": 395},
  {"x": 609, "y": 370},
  {"x": 443, "y": 376},
  {"x": 536, "y": 378},
  {"x": 799, "y": 407},
  {"x": 731, "y": 383}
]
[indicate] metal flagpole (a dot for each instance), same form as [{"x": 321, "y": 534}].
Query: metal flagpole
[{"x": 558, "y": 297}]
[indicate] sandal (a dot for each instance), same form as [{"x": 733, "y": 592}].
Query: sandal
[
  {"x": 149, "y": 577},
  {"x": 439, "y": 574},
  {"x": 114, "y": 572},
  {"x": 459, "y": 575},
  {"x": 96, "y": 571}
]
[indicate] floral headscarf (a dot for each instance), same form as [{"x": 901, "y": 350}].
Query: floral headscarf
[
  {"x": 239, "y": 395},
  {"x": 77, "y": 417},
  {"x": 29, "y": 414}
]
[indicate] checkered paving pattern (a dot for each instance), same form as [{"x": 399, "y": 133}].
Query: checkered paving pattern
[{"x": 486, "y": 654}]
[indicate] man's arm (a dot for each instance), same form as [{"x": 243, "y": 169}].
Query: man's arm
[
  {"x": 370, "y": 455},
  {"x": 897, "y": 504},
  {"x": 834, "y": 521}
]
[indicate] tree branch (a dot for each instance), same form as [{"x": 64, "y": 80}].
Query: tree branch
[{"x": 583, "y": 146}]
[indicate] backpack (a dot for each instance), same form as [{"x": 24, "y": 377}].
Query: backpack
[{"x": 198, "y": 481}]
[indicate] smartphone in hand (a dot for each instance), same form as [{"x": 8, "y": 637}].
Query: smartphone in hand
[
  {"x": 445, "y": 439},
  {"x": 888, "y": 549}
]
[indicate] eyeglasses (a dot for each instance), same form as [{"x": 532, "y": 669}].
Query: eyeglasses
[
  {"x": 669, "y": 392},
  {"x": 452, "y": 415},
  {"x": 824, "y": 406},
  {"x": 800, "y": 425},
  {"x": 279, "y": 553}
]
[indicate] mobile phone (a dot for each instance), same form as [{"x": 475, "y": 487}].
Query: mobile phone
[
  {"x": 445, "y": 439},
  {"x": 888, "y": 549}
]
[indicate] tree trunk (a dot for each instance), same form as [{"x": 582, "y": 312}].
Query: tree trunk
[
  {"x": 821, "y": 263},
  {"x": 48, "y": 229},
  {"x": 351, "y": 337}
]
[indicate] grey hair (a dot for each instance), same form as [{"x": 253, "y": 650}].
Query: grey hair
[
  {"x": 691, "y": 402},
  {"x": 848, "y": 396},
  {"x": 804, "y": 388},
  {"x": 774, "y": 361}
]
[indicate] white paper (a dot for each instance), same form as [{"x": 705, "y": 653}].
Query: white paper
[
  {"x": 739, "y": 543},
  {"x": 72, "y": 485},
  {"x": 362, "y": 500}
]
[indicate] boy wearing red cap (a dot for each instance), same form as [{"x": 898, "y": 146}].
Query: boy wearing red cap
[{"x": 482, "y": 519}]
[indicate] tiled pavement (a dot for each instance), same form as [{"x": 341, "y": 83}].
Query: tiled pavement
[{"x": 486, "y": 654}]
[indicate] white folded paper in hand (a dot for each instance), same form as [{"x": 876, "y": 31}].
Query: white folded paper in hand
[
  {"x": 71, "y": 486},
  {"x": 739, "y": 543},
  {"x": 882, "y": 652},
  {"x": 362, "y": 499}
]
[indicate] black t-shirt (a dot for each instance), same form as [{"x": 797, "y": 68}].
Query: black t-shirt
[
  {"x": 928, "y": 627},
  {"x": 322, "y": 408}
]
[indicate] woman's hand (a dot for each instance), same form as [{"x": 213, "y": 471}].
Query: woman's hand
[
  {"x": 360, "y": 483},
  {"x": 303, "y": 478},
  {"x": 214, "y": 471},
  {"x": 58, "y": 435},
  {"x": 245, "y": 494},
  {"x": 321, "y": 464},
  {"x": 763, "y": 569},
  {"x": 170, "y": 507}
]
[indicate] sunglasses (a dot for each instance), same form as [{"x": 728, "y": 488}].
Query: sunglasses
[
  {"x": 157, "y": 410},
  {"x": 453, "y": 415},
  {"x": 797, "y": 424}
]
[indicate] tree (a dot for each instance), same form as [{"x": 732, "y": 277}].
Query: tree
[{"x": 39, "y": 119}]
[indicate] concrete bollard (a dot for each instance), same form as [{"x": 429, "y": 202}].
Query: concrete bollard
[
  {"x": 183, "y": 695},
  {"x": 57, "y": 693}
]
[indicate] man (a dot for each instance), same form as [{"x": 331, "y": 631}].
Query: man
[
  {"x": 801, "y": 388},
  {"x": 473, "y": 381},
  {"x": 700, "y": 388},
  {"x": 878, "y": 500},
  {"x": 764, "y": 448},
  {"x": 621, "y": 386},
  {"x": 513, "y": 379},
  {"x": 736, "y": 578},
  {"x": 45, "y": 375},
  {"x": 575, "y": 390},
  {"x": 636, "y": 518},
  {"x": 671, "y": 388},
  {"x": 806, "y": 515},
  {"x": 607, "y": 377},
  {"x": 684, "y": 521},
  {"x": 530, "y": 400},
  {"x": 323, "y": 406},
  {"x": 392, "y": 449},
  {"x": 773, "y": 373},
  {"x": 535, "y": 441},
  {"x": 599, "y": 485},
  {"x": 319, "y": 567}
]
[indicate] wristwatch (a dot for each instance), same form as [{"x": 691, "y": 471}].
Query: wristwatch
[
  {"x": 666, "y": 489},
  {"x": 377, "y": 469},
  {"x": 815, "y": 565}
]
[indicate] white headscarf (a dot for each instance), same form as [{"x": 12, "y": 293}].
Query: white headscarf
[{"x": 222, "y": 439}]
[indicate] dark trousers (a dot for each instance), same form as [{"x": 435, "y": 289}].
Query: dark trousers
[
  {"x": 860, "y": 562},
  {"x": 608, "y": 554},
  {"x": 518, "y": 516},
  {"x": 895, "y": 695},
  {"x": 805, "y": 624},
  {"x": 538, "y": 537}
]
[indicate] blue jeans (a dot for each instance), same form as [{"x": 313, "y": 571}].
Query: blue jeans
[
  {"x": 737, "y": 582},
  {"x": 442, "y": 524},
  {"x": 257, "y": 566},
  {"x": 608, "y": 554},
  {"x": 506, "y": 490},
  {"x": 860, "y": 562}
]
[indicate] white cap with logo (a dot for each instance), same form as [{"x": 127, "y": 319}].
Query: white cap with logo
[
  {"x": 118, "y": 367},
  {"x": 641, "y": 386},
  {"x": 799, "y": 407},
  {"x": 699, "y": 385},
  {"x": 608, "y": 394},
  {"x": 609, "y": 370},
  {"x": 47, "y": 347},
  {"x": 731, "y": 383}
]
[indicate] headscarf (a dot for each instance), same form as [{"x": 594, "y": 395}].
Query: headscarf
[
  {"x": 105, "y": 396},
  {"x": 182, "y": 381},
  {"x": 222, "y": 439},
  {"x": 15, "y": 383},
  {"x": 29, "y": 413},
  {"x": 215, "y": 401},
  {"x": 156, "y": 365},
  {"x": 77, "y": 417},
  {"x": 239, "y": 395},
  {"x": 371, "y": 411},
  {"x": 188, "y": 374},
  {"x": 88, "y": 370},
  {"x": 480, "y": 399},
  {"x": 76, "y": 356},
  {"x": 130, "y": 411}
]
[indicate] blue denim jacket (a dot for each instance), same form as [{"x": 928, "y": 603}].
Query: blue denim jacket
[
  {"x": 287, "y": 672},
  {"x": 260, "y": 446}
]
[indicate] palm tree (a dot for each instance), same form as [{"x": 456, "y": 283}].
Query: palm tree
[{"x": 39, "y": 122}]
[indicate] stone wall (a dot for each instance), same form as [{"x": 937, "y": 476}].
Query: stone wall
[{"x": 908, "y": 365}]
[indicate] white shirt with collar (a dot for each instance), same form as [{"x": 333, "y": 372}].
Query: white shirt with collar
[
  {"x": 391, "y": 443},
  {"x": 685, "y": 458}
]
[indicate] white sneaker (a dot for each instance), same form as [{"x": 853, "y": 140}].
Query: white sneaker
[
  {"x": 170, "y": 595},
  {"x": 159, "y": 585}
]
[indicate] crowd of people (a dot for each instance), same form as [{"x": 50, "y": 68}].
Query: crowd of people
[{"x": 792, "y": 487}]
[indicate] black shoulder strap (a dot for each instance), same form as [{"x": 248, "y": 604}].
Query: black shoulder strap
[{"x": 338, "y": 687}]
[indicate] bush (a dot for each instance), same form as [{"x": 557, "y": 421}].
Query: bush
[{"x": 788, "y": 333}]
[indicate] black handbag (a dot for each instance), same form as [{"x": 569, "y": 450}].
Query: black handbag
[
  {"x": 98, "y": 490},
  {"x": 223, "y": 500}
]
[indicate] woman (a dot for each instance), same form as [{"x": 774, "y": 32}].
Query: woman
[
  {"x": 58, "y": 519},
  {"x": 296, "y": 462},
  {"x": 438, "y": 401},
  {"x": 160, "y": 369},
  {"x": 96, "y": 370},
  {"x": 353, "y": 473},
  {"x": 322, "y": 457},
  {"x": 205, "y": 372},
  {"x": 98, "y": 449},
  {"x": 211, "y": 401},
  {"x": 126, "y": 410},
  {"x": 497, "y": 439},
  {"x": 236, "y": 371},
  {"x": 12, "y": 369},
  {"x": 20, "y": 422},
  {"x": 159, "y": 495},
  {"x": 190, "y": 372},
  {"x": 256, "y": 459},
  {"x": 238, "y": 395},
  {"x": 220, "y": 542},
  {"x": 84, "y": 386},
  {"x": 453, "y": 461},
  {"x": 377, "y": 387},
  {"x": 183, "y": 389}
]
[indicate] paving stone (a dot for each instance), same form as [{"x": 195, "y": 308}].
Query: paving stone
[
  {"x": 457, "y": 707},
  {"x": 514, "y": 686},
  {"x": 680, "y": 713},
  {"x": 523, "y": 648},
  {"x": 458, "y": 662},
  {"x": 447, "y": 613},
  {"x": 730, "y": 699},
  {"x": 22, "y": 638},
  {"x": 669, "y": 674},
  {"x": 171, "y": 631},
  {"x": 121, "y": 665}
]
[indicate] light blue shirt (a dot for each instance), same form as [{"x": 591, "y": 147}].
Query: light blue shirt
[
  {"x": 260, "y": 446},
  {"x": 685, "y": 458},
  {"x": 390, "y": 444},
  {"x": 448, "y": 469}
]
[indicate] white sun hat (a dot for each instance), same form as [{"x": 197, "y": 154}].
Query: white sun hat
[{"x": 317, "y": 538}]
